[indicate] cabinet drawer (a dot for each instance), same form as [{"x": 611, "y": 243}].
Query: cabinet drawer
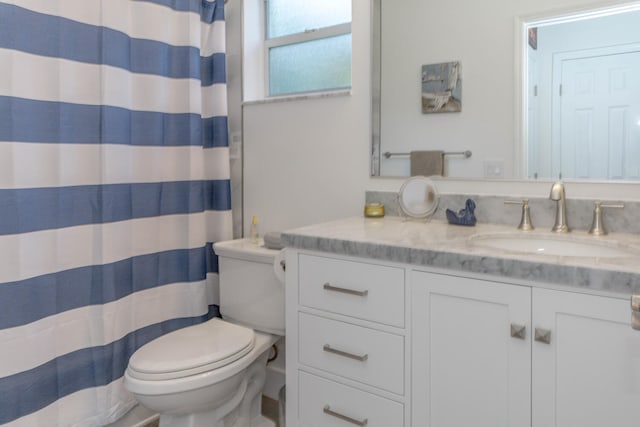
[
  {"x": 322, "y": 402},
  {"x": 361, "y": 354},
  {"x": 357, "y": 289}
]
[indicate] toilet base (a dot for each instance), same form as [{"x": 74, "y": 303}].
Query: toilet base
[{"x": 243, "y": 409}]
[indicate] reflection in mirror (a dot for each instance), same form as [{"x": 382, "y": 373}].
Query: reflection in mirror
[
  {"x": 517, "y": 125},
  {"x": 583, "y": 96}
]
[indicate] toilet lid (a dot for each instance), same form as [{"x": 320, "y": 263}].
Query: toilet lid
[{"x": 192, "y": 350}]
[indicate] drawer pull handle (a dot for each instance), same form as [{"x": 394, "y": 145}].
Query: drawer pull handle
[
  {"x": 328, "y": 349},
  {"x": 328, "y": 287},
  {"x": 327, "y": 410},
  {"x": 542, "y": 335}
]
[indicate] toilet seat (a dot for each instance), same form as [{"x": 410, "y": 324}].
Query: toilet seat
[
  {"x": 141, "y": 386},
  {"x": 191, "y": 351}
]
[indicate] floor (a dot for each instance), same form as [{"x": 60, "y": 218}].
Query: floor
[{"x": 269, "y": 410}]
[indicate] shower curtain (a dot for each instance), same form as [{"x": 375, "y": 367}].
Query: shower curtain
[{"x": 114, "y": 183}]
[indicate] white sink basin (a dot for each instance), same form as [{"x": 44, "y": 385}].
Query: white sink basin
[{"x": 554, "y": 245}]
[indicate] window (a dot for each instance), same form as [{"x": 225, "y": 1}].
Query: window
[{"x": 308, "y": 45}]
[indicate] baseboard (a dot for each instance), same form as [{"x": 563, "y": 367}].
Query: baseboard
[{"x": 138, "y": 416}]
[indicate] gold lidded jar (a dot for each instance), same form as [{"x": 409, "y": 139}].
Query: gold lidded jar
[{"x": 374, "y": 210}]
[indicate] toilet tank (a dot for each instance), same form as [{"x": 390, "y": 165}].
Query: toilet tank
[{"x": 250, "y": 292}]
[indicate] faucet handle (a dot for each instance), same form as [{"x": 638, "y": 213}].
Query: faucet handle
[
  {"x": 525, "y": 221},
  {"x": 597, "y": 226}
]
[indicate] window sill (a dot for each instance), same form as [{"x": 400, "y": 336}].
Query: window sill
[{"x": 299, "y": 97}]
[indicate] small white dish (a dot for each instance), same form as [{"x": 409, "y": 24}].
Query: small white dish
[{"x": 418, "y": 197}]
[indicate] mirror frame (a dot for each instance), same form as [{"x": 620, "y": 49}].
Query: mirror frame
[{"x": 376, "y": 85}]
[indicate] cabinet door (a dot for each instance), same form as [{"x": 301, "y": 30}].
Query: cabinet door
[
  {"x": 588, "y": 375},
  {"x": 467, "y": 368}
]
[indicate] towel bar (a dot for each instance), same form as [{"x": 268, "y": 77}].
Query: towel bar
[{"x": 466, "y": 154}]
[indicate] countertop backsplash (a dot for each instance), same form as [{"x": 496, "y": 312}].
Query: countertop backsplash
[{"x": 492, "y": 210}]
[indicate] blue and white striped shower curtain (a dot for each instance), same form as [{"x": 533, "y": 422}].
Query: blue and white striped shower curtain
[{"x": 114, "y": 182}]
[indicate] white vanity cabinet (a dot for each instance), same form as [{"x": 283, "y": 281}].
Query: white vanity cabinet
[
  {"x": 346, "y": 342},
  {"x": 397, "y": 345}
]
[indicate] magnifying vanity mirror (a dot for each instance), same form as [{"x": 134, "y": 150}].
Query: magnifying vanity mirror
[{"x": 543, "y": 93}]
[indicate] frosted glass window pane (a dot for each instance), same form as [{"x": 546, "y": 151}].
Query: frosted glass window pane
[
  {"x": 311, "y": 66},
  {"x": 295, "y": 16}
]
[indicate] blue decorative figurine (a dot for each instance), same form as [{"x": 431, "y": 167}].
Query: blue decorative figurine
[{"x": 464, "y": 216}]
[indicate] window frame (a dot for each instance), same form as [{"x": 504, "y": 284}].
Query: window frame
[{"x": 311, "y": 34}]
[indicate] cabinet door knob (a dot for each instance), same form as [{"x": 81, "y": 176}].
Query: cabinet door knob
[
  {"x": 542, "y": 335},
  {"x": 327, "y": 410},
  {"x": 518, "y": 331}
]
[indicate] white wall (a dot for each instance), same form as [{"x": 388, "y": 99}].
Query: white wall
[
  {"x": 481, "y": 38},
  {"x": 307, "y": 161}
]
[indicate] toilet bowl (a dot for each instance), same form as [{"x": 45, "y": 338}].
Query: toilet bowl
[{"x": 212, "y": 374}]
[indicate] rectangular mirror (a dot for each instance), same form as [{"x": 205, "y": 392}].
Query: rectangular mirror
[{"x": 571, "y": 108}]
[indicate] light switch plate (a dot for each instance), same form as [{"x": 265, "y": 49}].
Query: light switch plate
[{"x": 493, "y": 168}]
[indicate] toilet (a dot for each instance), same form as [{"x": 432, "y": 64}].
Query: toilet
[{"x": 212, "y": 374}]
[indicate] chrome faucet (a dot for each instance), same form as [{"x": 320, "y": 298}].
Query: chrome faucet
[{"x": 557, "y": 194}]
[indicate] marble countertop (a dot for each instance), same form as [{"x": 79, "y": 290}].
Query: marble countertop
[{"x": 438, "y": 244}]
